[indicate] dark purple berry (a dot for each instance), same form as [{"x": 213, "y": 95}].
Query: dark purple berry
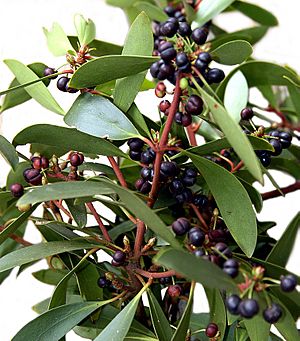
[
  {"x": 211, "y": 330},
  {"x": 103, "y": 282},
  {"x": 217, "y": 236},
  {"x": 178, "y": 117},
  {"x": 146, "y": 173},
  {"x": 119, "y": 257},
  {"x": 247, "y": 114},
  {"x": 231, "y": 267},
  {"x": 273, "y": 313},
  {"x": 184, "y": 29},
  {"x": 186, "y": 120},
  {"x": 232, "y": 304},
  {"x": 48, "y": 71},
  {"x": 288, "y": 283},
  {"x": 136, "y": 156},
  {"x": 167, "y": 51},
  {"x": 148, "y": 156},
  {"x": 181, "y": 226},
  {"x": 143, "y": 186},
  {"x": 165, "y": 280},
  {"x": 205, "y": 57},
  {"x": 277, "y": 147},
  {"x": 248, "y": 308},
  {"x": 179, "y": 16},
  {"x": 196, "y": 236},
  {"x": 265, "y": 160},
  {"x": 165, "y": 71},
  {"x": 17, "y": 190},
  {"x": 76, "y": 159},
  {"x": 199, "y": 35},
  {"x": 62, "y": 83},
  {"x": 201, "y": 201},
  {"x": 185, "y": 196},
  {"x": 33, "y": 176},
  {"x": 201, "y": 66},
  {"x": 224, "y": 249},
  {"x": 168, "y": 29},
  {"x": 154, "y": 69},
  {"x": 170, "y": 11},
  {"x": 194, "y": 105},
  {"x": 183, "y": 63},
  {"x": 215, "y": 75},
  {"x": 199, "y": 252},
  {"x": 274, "y": 133},
  {"x": 190, "y": 172},
  {"x": 189, "y": 181},
  {"x": 285, "y": 139},
  {"x": 176, "y": 186},
  {"x": 135, "y": 144},
  {"x": 169, "y": 169}
]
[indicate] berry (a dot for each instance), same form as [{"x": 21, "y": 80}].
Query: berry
[
  {"x": 196, "y": 236},
  {"x": 165, "y": 280},
  {"x": 211, "y": 330},
  {"x": 167, "y": 51},
  {"x": 288, "y": 283},
  {"x": 232, "y": 304},
  {"x": 184, "y": 29},
  {"x": 148, "y": 156},
  {"x": 136, "y": 156},
  {"x": 135, "y": 144},
  {"x": 164, "y": 105},
  {"x": 224, "y": 249},
  {"x": 273, "y": 313},
  {"x": 247, "y": 114},
  {"x": 76, "y": 159},
  {"x": 186, "y": 120},
  {"x": 33, "y": 176},
  {"x": 17, "y": 190},
  {"x": 199, "y": 35},
  {"x": 143, "y": 186},
  {"x": 199, "y": 253},
  {"x": 217, "y": 236},
  {"x": 274, "y": 133},
  {"x": 119, "y": 257},
  {"x": 205, "y": 57},
  {"x": 285, "y": 139},
  {"x": 265, "y": 159},
  {"x": 154, "y": 69},
  {"x": 194, "y": 105},
  {"x": 165, "y": 71},
  {"x": 176, "y": 186},
  {"x": 231, "y": 267},
  {"x": 178, "y": 117},
  {"x": 277, "y": 147},
  {"x": 169, "y": 169},
  {"x": 168, "y": 29},
  {"x": 179, "y": 16},
  {"x": 102, "y": 282},
  {"x": 170, "y": 11},
  {"x": 215, "y": 75},
  {"x": 146, "y": 173},
  {"x": 189, "y": 181},
  {"x": 71, "y": 90},
  {"x": 49, "y": 71},
  {"x": 183, "y": 63},
  {"x": 200, "y": 65},
  {"x": 200, "y": 201},
  {"x": 185, "y": 196},
  {"x": 174, "y": 290},
  {"x": 248, "y": 308},
  {"x": 181, "y": 226},
  {"x": 62, "y": 83},
  {"x": 160, "y": 90}
]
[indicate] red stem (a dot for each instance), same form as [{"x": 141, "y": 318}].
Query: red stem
[
  {"x": 237, "y": 167},
  {"x": 16, "y": 238},
  {"x": 285, "y": 190},
  {"x": 156, "y": 274},
  {"x": 199, "y": 216},
  {"x": 99, "y": 221},
  {"x": 192, "y": 136},
  {"x": 60, "y": 206},
  {"x": 117, "y": 171}
]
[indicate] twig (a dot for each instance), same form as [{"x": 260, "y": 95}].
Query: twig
[
  {"x": 117, "y": 171},
  {"x": 99, "y": 221},
  {"x": 16, "y": 238},
  {"x": 148, "y": 274},
  {"x": 192, "y": 136},
  {"x": 199, "y": 216},
  {"x": 285, "y": 190}
]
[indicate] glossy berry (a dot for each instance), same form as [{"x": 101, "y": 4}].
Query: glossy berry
[
  {"x": 170, "y": 11},
  {"x": 143, "y": 186},
  {"x": 174, "y": 290},
  {"x": 160, "y": 90},
  {"x": 288, "y": 283},
  {"x": 274, "y": 133},
  {"x": 62, "y": 83},
  {"x": 146, "y": 173},
  {"x": 189, "y": 181},
  {"x": 76, "y": 159},
  {"x": 176, "y": 186},
  {"x": 184, "y": 29},
  {"x": 181, "y": 226},
  {"x": 48, "y": 71},
  {"x": 199, "y": 35},
  {"x": 183, "y": 63},
  {"x": 136, "y": 156},
  {"x": 167, "y": 51},
  {"x": 194, "y": 105},
  {"x": 179, "y": 16},
  {"x": 273, "y": 313},
  {"x": 169, "y": 169},
  {"x": 39, "y": 162},
  {"x": 178, "y": 117},
  {"x": 154, "y": 69},
  {"x": 17, "y": 190},
  {"x": 211, "y": 330},
  {"x": 135, "y": 144},
  {"x": 215, "y": 76},
  {"x": 186, "y": 120},
  {"x": 119, "y": 257},
  {"x": 248, "y": 308},
  {"x": 165, "y": 71},
  {"x": 164, "y": 105},
  {"x": 196, "y": 236},
  {"x": 265, "y": 159},
  {"x": 231, "y": 267},
  {"x": 199, "y": 252},
  {"x": 201, "y": 201},
  {"x": 33, "y": 176},
  {"x": 168, "y": 29},
  {"x": 200, "y": 65},
  {"x": 277, "y": 147},
  {"x": 217, "y": 236},
  {"x": 165, "y": 280},
  {"x": 185, "y": 196},
  {"x": 232, "y": 304},
  {"x": 247, "y": 114},
  {"x": 102, "y": 282},
  {"x": 205, "y": 57},
  {"x": 148, "y": 156},
  {"x": 285, "y": 139},
  {"x": 224, "y": 249}
]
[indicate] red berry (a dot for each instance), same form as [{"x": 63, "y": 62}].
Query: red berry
[
  {"x": 174, "y": 290},
  {"x": 76, "y": 159},
  {"x": 211, "y": 330},
  {"x": 17, "y": 190}
]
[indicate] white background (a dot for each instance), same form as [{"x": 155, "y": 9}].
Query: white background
[{"x": 22, "y": 38}]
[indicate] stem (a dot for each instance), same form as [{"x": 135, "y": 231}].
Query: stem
[
  {"x": 285, "y": 190},
  {"x": 148, "y": 274},
  {"x": 99, "y": 221},
  {"x": 199, "y": 216},
  {"x": 117, "y": 171},
  {"x": 192, "y": 136},
  {"x": 16, "y": 238},
  {"x": 60, "y": 206},
  {"x": 237, "y": 167}
]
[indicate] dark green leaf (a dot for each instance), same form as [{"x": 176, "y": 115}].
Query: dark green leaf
[
  {"x": 55, "y": 323},
  {"x": 232, "y": 52},
  {"x": 233, "y": 202},
  {"x": 39, "y": 251},
  {"x": 107, "y": 68},
  {"x": 122, "y": 228},
  {"x": 97, "y": 116},
  {"x": 160, "y": 323},
  {"x": 71, "y": 139},
  {"x": 17, "y": 175},
  {"x": 51, "y": 276},
  {"x": 8, "y": 151},
  {"x": 256, "y": 13},
  {"x": 268, "y": 93},
  {"x": 295, "y": 97},
  {"x": 199, "y": 321},
  {"x": 57, "y": 40},
  {"x": 234, "y": 134},
  {"x": 37, "y": 91},
  {"x": 282, "y": 249},
  {"x": 153, "y": 12},
  {"x": 185, "y": 264},
  {"x": 139, "y": 41},
  {"x": 121, "y": 3},
  {"x": 136, "y": 117},
  {"x": 254, "y": 195},
  {"x": 290, "y": 167},
  {"x": 258, "y": 329},
  {"x": 78, "y": 212}
]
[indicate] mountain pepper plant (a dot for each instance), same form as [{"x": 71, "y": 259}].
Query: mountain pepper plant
[{"x": 178, "y": 182}]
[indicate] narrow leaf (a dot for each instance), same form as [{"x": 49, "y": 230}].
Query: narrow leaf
[
  {"x": 232, "y": 52},
  {"x": 57, "y": 40},
  {"x": 8, "y": 151}
]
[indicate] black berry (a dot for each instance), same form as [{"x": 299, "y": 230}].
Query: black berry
[
  {"x": 224, "y": 249},
  {"x": 199, "y": 252},
  {"x": 199, "y": 35},
  {"x": 103, "y": 282},
  {"x": 17, "y": 190},
  {"x": 167, "y": 51},
  {"x": 136, "y": 156},
  {"x": 168, "y": 29},
  {"x": 247, "y": 114},
  {"x": 181, "y": 226},
  {"x": 119, "y": 257},
  {"x": 183, "y": 63},
  {"x": 135, "y": 144},
  {"x": 176, "y": 186},
  {"x": 49, "y": 71},
  {"x": 277, "y": 147},
  {"x": 231, "y": 267},
  {"x": 143, "y": 186},
  {"x": 194, "y": 105},
  {"x": 248, "y": 308},
  {"x": 273, "y": 313},
  {"x": 170, "y": 11},
  {"x": 169, "y": 169},
  {"x": 62, "y": 83},
  {"x": 186, "y": 120},
  {"x": 215, "y": 75},
  {"x": 288, "y": 283},
  {"x": 184, "y": 29},
  {"x": 148, "y": 156},
  {"x": 196, "y": 236},
  {"x": 201, "y": 66},
  {"x": 201, "y": 201},
  {"x": 205, "y": 57}
]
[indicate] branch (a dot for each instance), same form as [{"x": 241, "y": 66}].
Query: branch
[
  {"x": 199, "y": 216},
  {"x": 16, "y": 238},
  {"x": 117, "y": 171},
  {"x": 285, "y": 190},
  {"x": 157, "y": 274},
  {"x": 99, "y": 221}
]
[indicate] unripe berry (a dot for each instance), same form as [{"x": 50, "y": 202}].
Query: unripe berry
[
  {"x": 160, "y": 90},
  {"x": 174, "y": 290},
  {"x": 32, "y": 176},
  {"x": 17, "y": 190},
  {"x": 211, "y": 330}
]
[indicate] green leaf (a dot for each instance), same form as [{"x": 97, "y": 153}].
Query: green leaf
[
  {"x": 209, "y": 9},
  {"x": 153, "y": 12},
  {"x": 159, "y": 321},
  {"x": 57, "y": 40},
  {"x": 86, "y": 29},
  {"x": 97, "y": 116},
  {"x": 107, "y": 68},
  {"x": 282, "y": 249},
  {"x": 208, "y": 274},
  {"x": 136, "y": 118},
  {"x": 51, "y": 276},
  {"x": 234, "y": 134},
  {"x": 78, "y": 212},
  {"x": 20, "y": 95},
  {"x": 121, "y": 3},
  {"x": 8, "y": 151},
  {"x": 63, "y": 190},
  {"x": 183, "y": 325},
  {"x": 254, "y": 195},
  {"x": 118, "y": 328},
  {"x": 258, "y": 329},
  {"x": 39, "y": 251},
  {"x": 139, "y": 41},
  {"x": 256, "y": 13},
  {"x": 37, "y": 91},
  {"x": 70, "y": 139},
  {"x": 232, "y": 200},
  {"x": 232, "y": 52},
  {"x": 55, "y": 323},
  {"x": 288, "y": 166},
  {"x": 295, "y": 95},
  {"x": 217, "y": 309},
  {"x": 238, "y": 86}
]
